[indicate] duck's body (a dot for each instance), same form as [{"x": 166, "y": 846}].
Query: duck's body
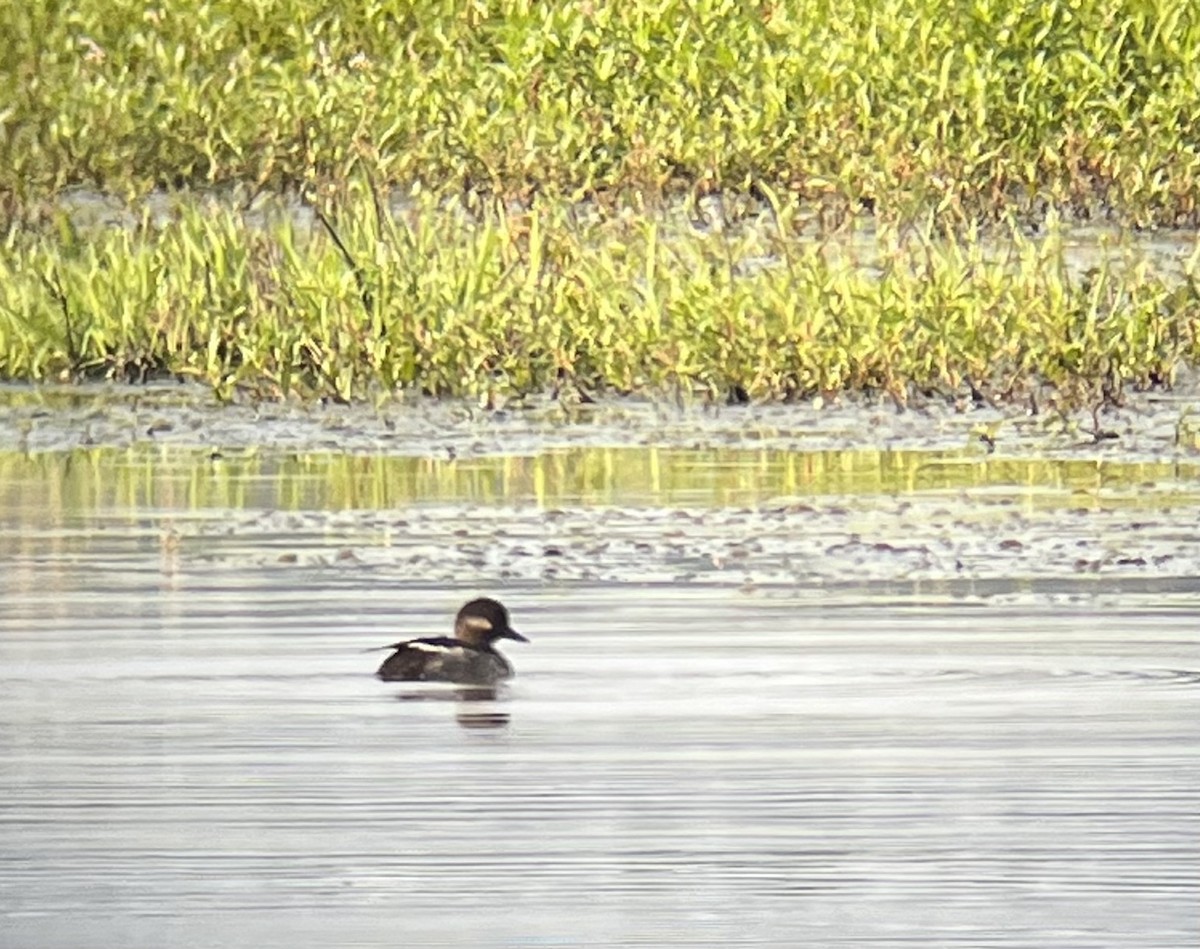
[
  {"x": 469, "y": 658},
  {"x": 442, "y": 659}
]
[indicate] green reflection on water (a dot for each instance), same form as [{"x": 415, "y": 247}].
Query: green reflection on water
[{"x": 47, "y": 486}]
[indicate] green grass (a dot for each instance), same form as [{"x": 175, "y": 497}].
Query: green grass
[
  {"x": 911, "y": 106},
  {"x": 510, "y": 119},
  {"x": 471, "y": 300}
]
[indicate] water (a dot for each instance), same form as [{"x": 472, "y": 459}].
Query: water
[{"x": 193, "y": 751}]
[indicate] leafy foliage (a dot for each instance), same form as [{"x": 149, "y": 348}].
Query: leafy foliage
[
  {"x": 347, "y": 299},
  {"x": 967, "y": 107}
]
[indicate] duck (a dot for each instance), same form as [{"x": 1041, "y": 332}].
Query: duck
[{"x": 467, "y": 658}]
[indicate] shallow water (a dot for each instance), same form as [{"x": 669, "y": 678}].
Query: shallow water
[{"x": 958, "y": 712}]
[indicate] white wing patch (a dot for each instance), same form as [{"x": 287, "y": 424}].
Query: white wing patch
[{"x": 428, "y": 647}]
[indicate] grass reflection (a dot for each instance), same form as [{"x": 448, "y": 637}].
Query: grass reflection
[{"x": 143, "y": 479}]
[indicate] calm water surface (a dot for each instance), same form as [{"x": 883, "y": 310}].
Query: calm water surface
[{"x": 193, "y": 751}]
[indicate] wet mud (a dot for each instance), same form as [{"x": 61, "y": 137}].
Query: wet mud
[{"x": 785, "y": 498}]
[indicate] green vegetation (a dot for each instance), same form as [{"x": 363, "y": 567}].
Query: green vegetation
[
  {"x": 907, "y": 104},
  {"x": 514, "y": 119},
  {"x": 451, "y": 302}
]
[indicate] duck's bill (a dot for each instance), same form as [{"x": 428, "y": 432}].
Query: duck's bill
[{"x": 513, "y": 634}]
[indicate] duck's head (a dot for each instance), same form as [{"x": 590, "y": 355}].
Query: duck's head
[{"x": 483, "y": 621}]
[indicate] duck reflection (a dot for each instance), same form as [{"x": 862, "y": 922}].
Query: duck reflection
[{"x": 476, "y": 709}]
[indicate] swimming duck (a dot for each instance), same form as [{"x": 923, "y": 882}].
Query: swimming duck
[{"x": 468, "y": 658}]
